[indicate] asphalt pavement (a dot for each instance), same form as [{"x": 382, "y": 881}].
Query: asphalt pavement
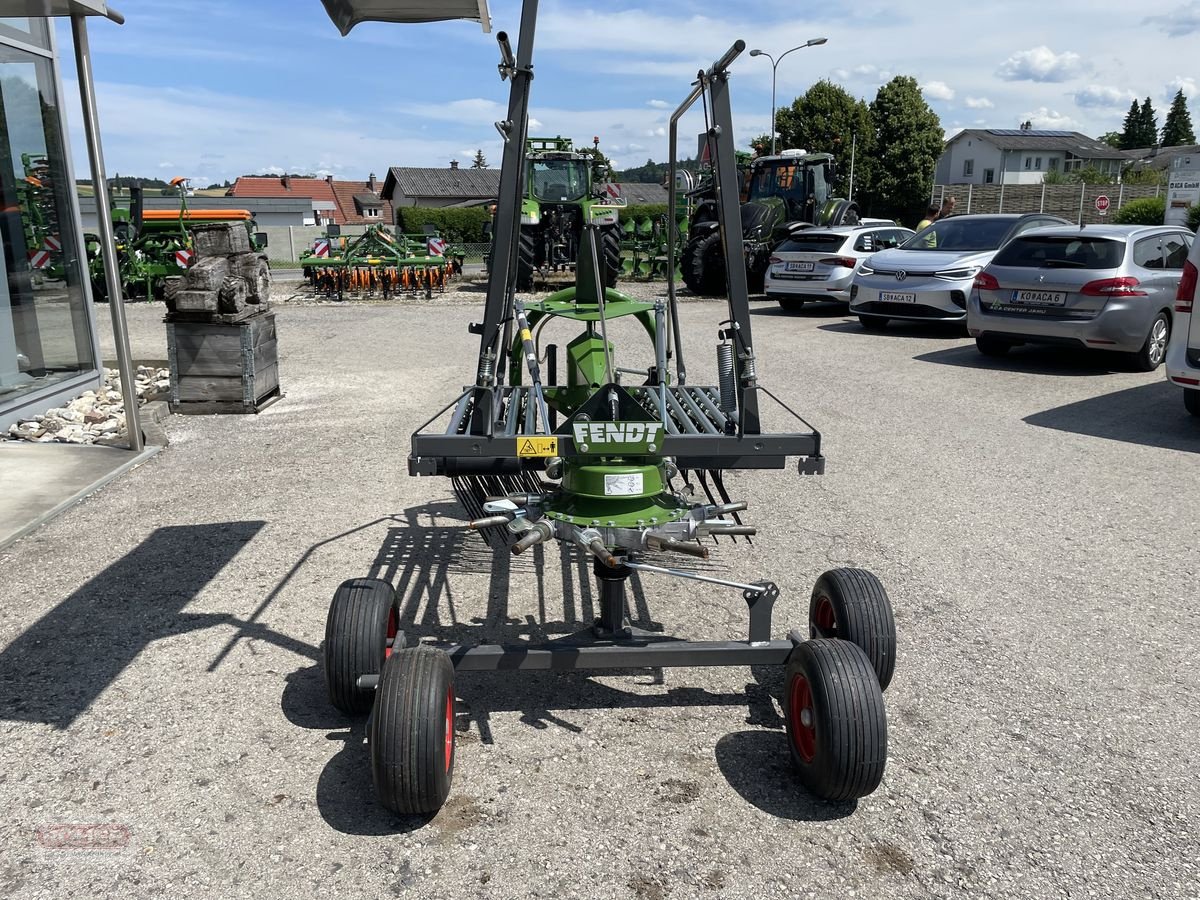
[{"x": 1033, "y": 519}]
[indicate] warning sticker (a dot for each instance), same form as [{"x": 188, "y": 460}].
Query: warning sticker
[
  {"x": 537, "y": 446},
  {"x": 623, "y": 485}
]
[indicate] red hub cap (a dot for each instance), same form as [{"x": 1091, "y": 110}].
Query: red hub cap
[
  {"x": 393, "y": 627},
  {"x": 449, "y": 728},
  {"x": 801, "y": 717},
  {"x": 824, "y": 622}
]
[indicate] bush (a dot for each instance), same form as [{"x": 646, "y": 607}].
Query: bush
[
  {"x": 459, "y": 225},
  {"x": 643, "y": 211},
  {"x": 1194, "y": 217},
  {"x": 1144, "y": 211}
]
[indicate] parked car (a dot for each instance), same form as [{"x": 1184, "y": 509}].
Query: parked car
[
  {"x": 928, "y": 277},
  {"x": 1108, "y": 287},
  {"x": 816, "y": 264},
  {"x": 1183, "y": 349}
]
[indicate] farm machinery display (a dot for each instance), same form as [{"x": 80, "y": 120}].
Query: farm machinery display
[
  {"x": 154, "y": 246},
  {"x": 780, "y": 192},
  {"x": 563, "y": 192},
  {"x": 621, "y": 465},
  {"x": 377, "y": 263},
  {"x": 36, "y": 196}
]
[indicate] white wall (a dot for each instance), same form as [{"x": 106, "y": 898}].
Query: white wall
[{"x": 984, "y": 155}]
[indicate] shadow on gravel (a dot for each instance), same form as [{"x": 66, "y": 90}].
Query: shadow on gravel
[
  {"x": 815, "y": 310},
  {"x": 1151, "y": 415},
  {"x": 1035, "y": 360},
  {"x": 903, "y": 330},
  {"x": 58, "y": 666},
  {"x": 757, "y": 765}
]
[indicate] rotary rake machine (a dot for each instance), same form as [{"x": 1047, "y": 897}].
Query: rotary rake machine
[
  {"x": 377, "y": 264},
  {"x": 609, "y": 470}
]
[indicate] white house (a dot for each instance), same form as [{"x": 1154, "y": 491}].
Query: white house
[{"x": 1022, "y": 156}]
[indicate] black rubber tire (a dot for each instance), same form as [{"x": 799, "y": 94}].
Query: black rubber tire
[
  {"x": 992, "y": 346},
  {"x": 842, "y": 751},
  {"x": 260, "y": 290},
  {"x": 1152, "y": 354},
  {"x": 703, "y": 266},
  {"x": 526, "y": 260},
  {"x": 1191, "y": 401},
  {"x": 610, "y": 243},
  {"x": 852, "y": 605},
  {"x": 791, "y": 304},
  {"x": 411, "y": 732},
  {"x": 873, "y": 323},
  {"x": 361, "y": 616},
  {"x": 99, "y": 290}
]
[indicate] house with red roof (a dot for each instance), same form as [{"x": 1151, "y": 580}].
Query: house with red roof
[{"x": 334, "y": 202}]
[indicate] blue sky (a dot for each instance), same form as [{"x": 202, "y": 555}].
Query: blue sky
[{"x": 212, "y": 89}]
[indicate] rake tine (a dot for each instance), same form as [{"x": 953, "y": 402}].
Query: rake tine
[
  {"x": 719, "y": 481},
  {"x": 700, "y": 475}
]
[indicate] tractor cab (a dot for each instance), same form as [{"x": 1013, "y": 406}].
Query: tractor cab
[{"x": 795, "y": 182}]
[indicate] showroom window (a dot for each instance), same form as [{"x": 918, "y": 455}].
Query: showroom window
[{"x": 46, "y": 336}]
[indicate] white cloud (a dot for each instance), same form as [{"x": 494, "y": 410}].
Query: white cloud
[
  {"x": 534, "y": 124},
  {"x": 938, "y": 90},
  {"x": 1179, "y": 23},
  {"x": 1182, "y": 82},
  {"x": 658, "y": 104},
  {"x": 979, "y": 103},
  {"x": 656, "y": 132},
  {"x": 1098, "y": 95},
  {"x": 1041, "y": 64},
  {"x": 1044, "y": 117}
]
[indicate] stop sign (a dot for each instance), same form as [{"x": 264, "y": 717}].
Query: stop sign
[{"x": 1102, "y": 204}]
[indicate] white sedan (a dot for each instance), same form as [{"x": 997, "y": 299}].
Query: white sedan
[{"x": 815, "y": 264}]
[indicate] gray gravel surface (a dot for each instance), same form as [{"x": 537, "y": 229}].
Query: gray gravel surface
[{"x": 1034, "y": 520}]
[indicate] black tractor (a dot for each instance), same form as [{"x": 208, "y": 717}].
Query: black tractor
[{"x": 779, "y": 193}]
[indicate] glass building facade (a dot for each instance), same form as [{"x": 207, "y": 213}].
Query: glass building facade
[{"x": 48, "y": 345}]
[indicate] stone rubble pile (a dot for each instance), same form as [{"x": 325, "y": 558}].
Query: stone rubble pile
[{"x": 93, "y": 416}]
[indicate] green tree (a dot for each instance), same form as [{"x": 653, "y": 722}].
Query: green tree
[
  {"x": 827, "y": 119},
  {"x": 480, "y": 161},
  {"x": 1130, "y": 128},
  {"x": 761, "y": 145},
  {"x": 908, "y": 143},
  {"x": 1112, "y": 138},
  {"x": 1177, "y": 129},
  {"x": 1147, "y": 125}
]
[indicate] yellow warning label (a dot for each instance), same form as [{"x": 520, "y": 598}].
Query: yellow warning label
[
  {"x": 525, "y": 335},
  {"x": 537, "y": 446}
]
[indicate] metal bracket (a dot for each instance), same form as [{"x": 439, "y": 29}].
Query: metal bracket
[
  {"x": 761, "y": 600},
  {"x": 811, "y": 465}
]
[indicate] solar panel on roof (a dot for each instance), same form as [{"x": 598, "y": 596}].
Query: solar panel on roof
[{"x": 1018, "y": 132}]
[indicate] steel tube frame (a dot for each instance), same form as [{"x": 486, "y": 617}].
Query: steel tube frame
[{"x": 108, "y": 249}]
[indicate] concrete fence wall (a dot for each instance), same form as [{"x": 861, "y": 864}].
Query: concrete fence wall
[
  {"x": 1074, "y": 202},
  {"x": 286, "y": 243}
]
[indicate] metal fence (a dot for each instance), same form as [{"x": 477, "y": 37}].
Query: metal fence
[{"x": 1075, "y": 202}]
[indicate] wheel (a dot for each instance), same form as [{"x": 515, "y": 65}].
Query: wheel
[
  {"x": 610, "y": 245},
  {"x": 411, "y": 732},
  {"x": 260, "y": 289},
  {"x": 992, "y": 346},
  {"x": 1151, "y": 355},
  {"x": 99, "y": 290},
  {"x": 791, "y": 304},
  {"x": 171, "y": 286},
  {"x": 361, "y": 618},
  {"x": 703, "y": 265},
  {"x": 1191, "y": 401},
  {"x": 526, "y": 260},
  {"x": 873, "y": 323},
  {"x": 835, "y": 719},
  {"x": 851, "y": 605}
]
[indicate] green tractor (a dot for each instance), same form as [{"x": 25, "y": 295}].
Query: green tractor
[
  {"x": 563, "y": 192},
  {"x": 780, "y": 193}
]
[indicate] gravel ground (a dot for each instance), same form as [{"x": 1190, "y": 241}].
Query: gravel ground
[{"x": 1033, "y": 519}]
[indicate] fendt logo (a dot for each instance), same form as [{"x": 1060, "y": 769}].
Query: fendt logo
[{"x": 637, "y": 433}]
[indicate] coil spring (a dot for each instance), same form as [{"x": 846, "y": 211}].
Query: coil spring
[
  {"x": 726, "y": 379},
  {"x": 487, "y": 369},
  {"x": 749, "y": 369}
]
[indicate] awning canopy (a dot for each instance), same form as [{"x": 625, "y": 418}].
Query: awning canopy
[
  {"x": 59, "y": 8},
  {"x": 348, "y": 13}
]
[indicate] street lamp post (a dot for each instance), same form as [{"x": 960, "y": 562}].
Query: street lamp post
[{"x": 814, "y": 42}]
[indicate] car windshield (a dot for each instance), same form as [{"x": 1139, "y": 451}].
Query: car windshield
[
  {"x": 560, "y": 180},
  {"x": 811, "y": 243},
  {"x": 960, "y": 234},
  {"x": 1063, "y": 252}
]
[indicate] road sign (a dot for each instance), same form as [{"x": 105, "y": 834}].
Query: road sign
[{"x": 1102, "y": 204}]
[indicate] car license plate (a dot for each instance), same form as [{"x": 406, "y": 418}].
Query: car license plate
[
  {"x": 894, "y": 297},
  {"x": 1040, "y": 298},
  {"x": 799, "y": 267}
]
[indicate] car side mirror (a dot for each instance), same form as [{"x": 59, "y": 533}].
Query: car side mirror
[{"x": 260, "y": 240}]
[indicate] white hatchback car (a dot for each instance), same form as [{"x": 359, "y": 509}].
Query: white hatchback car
[
  {"x": 1183, "y": 351},
  {"x": 815, "y": 264}
]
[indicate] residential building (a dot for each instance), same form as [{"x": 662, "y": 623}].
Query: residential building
[
  {"x": 266, "y": 211},
  {"x": 1161, "y": 159},
  {"x": 452, "y": 186},
  {"x": 1022, "y": 156},
  {"x": 333, "y": 202}
]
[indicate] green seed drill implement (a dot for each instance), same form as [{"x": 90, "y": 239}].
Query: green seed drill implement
[
  {"x": 379, "y": 264},
  {"x": 625, "y": 474}
]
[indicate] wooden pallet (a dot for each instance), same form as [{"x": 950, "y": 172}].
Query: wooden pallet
[{"x": 223, "y": 367}]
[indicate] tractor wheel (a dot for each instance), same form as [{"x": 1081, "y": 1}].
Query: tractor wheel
[
  {"x": 851, "y": 605},
  {"x": 411, "y": 732},
  {"x": 703, "y": 265},
  {"x": 362, "y": 619},
  {"x": 873, "y": 323},
  {"x": 526, "y": 260},
  {"x": 835, "y": 719},
  {"x": 171, "y": 286},
  {"x": 260, "y": 288},
  {"x": 845, "y": 213},
  {"x": 611, "y": 248},
  {"x": 99, "y": 290}
]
